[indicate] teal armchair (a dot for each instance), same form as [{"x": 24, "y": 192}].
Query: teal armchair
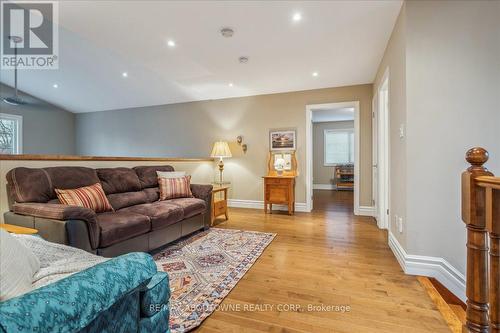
[{"x": 123, "y": 294}]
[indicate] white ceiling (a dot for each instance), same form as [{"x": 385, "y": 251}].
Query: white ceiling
[
  {"x": 340, "y": 114},
  {"x": 341, "y": 40}
]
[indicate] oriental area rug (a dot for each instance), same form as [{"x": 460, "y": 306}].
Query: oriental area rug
[{"x": 204, "y": 268}]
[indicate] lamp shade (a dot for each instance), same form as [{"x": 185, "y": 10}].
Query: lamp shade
[{"x": 221, "y": 149}]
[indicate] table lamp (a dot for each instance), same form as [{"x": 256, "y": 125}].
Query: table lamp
[{"x": 221, "y": 150}]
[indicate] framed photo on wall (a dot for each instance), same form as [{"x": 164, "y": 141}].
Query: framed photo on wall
[{"x": 282, "y": 140}]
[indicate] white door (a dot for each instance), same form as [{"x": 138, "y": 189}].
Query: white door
[
  {"x": 375, "y": 173},
  {"x": 382, "y": 114}
]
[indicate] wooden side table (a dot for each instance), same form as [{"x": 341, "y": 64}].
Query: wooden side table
[
  {"x": 15, "y": 229},
  {"x": 219, "y": 202},
  {"x": 279, "y": 190}
]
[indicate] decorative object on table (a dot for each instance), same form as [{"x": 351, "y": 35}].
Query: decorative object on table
[
  {"x": 204, "y": 268},
  {"x": 344, "y": 176},
  {"x": 221, "y": 150},
  {"x": 286, "y": 159},
  {"x": 282, "y": 140},
  {"x": 239, "y": 140},
  {"x": 279, "y": 183},
  {"x": 279, "y": 165},
  {"x": 219, "y": 202}
]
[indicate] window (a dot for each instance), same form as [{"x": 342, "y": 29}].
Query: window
[
  {"x": 339, "y": 146},
  {"x": 10, "y": 134}
]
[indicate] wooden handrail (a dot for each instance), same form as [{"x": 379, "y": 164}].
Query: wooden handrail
[
  {"x": 488, "y": 181},
  {"x": 30, "y": 157},
  {"x": 481, "y": 214}
]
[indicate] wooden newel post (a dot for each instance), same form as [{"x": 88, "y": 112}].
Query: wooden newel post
[{"x": 473, "y": 214}]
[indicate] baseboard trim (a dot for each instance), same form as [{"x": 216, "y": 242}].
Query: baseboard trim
[
  {"x": 257, "y": 204},
  {"x": 329, "y": 187},
  {"x": 364, "y": 211},
  {"x": 435, "y": 267}
]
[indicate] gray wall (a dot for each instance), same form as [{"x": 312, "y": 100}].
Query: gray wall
[
  {"x": 453, "y": 103},
  {"x": 444, "y": 65},
  {"x": 47, "y": 129},
  {"x": 324, "y": 174},
  {"x": 394, "y": 61},
  {"x": 189, "y": 129}
]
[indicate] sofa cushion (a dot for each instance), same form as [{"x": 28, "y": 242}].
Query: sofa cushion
[
  {"x": 153, "y": 193},
  {"x": 122, "y": 200},
  {"x": 120, "y": 226},
  {"x": 29, "y": 185},
  {"x": 171, "y": 188},
  {"x": 190, "y": 206},
  {"x": 147, "y": 174},
  {"x": 118, "y": 180},
  {"x": 162, "y": 214},
  {"x": 18, "y": 265},
  {"x": 71, "y": 177},
  {"x": 92, "y": 197}
]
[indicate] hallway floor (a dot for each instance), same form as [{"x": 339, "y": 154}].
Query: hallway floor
[{"x": 339, "y": 201}]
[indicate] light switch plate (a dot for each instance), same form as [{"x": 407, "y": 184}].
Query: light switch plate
[
  {"x": 400, "y": 224},
  {"x": 401, "y": 131}
]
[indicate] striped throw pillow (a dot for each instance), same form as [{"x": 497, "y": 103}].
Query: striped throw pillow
[
  {"x": 92, "y": 197},
  {"x": 171, "y": 188}
]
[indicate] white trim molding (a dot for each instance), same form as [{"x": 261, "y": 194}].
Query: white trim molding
[
  {"x": 330, "y": 187},
  {"x": 257, "y": 204},
  {"x": 365, "y": 211},
  {"x": 435, "y": 267}
]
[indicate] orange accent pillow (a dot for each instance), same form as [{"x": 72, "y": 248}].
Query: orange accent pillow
[
  {"x": 92, "y": 197},
  {"x": 171, "y": 188}
]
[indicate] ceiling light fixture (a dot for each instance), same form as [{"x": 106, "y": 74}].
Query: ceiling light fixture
[
  {"x": 55, "y": 85},
  {"x": 16, "y": 99},
  {"x": 171, "y": 43},
  {"x": 297, "y": 17},
  {"x": 125, "y": 74},
  {"x": 230, "y": 84},
  {"x": 315, "y": 74},
  {"x": 243, "y": 60},
  {"x": 227, "y": 32}
]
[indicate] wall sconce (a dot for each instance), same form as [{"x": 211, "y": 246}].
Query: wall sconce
[{"x": 244, "y": 146}]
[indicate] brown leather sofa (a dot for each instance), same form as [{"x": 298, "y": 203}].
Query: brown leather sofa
[{"x": 139, "y": 222}]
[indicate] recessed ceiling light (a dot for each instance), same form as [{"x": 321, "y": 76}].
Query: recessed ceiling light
[
  {"x": 55, "y": 85},
  {"x": 315, "y": 74},
  {"x": 125, "y": 74},
  {"x": 171, "y": 43},
  {"x": 230, "y": 84},
  {"x": 297, "y": 17}
]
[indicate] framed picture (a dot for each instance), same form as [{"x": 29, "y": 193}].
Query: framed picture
[{"x": 282, "y": 140}]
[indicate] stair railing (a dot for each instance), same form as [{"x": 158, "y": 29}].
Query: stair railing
[{"x": 481, "y": 214}]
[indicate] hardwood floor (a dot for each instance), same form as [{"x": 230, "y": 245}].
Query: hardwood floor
[
  {"x": 339, "y": 201},
  {"x": 327, "y": 257}
]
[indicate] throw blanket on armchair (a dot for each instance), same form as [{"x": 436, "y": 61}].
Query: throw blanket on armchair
[{"x": 57, "y": 261}]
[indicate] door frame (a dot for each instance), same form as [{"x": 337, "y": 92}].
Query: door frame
[
  {"x": 310, "y": 108},
  {"x": 382, "y": 140}
]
